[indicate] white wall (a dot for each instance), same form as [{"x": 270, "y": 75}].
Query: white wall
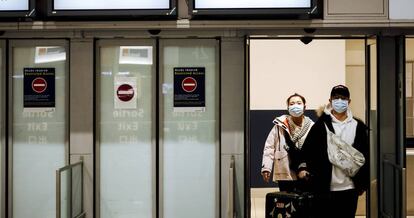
[
  {"x": 355, "y": 75},
  {"x": 280, "y": 68},
  {"x": 401, "y": 9}
]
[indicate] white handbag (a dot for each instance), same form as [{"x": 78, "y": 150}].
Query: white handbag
[{"x": 343, "y": 155}]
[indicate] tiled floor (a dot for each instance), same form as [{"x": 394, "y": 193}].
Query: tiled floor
[{"x": 258, "y": 202}]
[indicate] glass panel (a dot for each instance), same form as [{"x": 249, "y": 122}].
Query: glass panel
[
  {"x": 77, "y": 190},
  {"x": 190, "y": 151},
  {"x": 64, "y": 194},
  {"x": 38, "y": 137},
  {"x": 127, "y": 177}
]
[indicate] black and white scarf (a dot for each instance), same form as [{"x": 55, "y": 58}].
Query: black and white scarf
[{"x": 297, "y": 133}]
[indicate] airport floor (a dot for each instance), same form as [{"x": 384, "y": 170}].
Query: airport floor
[{"x": 258, "y": 202}]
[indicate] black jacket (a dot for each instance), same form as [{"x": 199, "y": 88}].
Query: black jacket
[{"x": 315, "y": 155}]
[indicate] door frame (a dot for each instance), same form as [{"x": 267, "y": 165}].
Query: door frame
[{"x": 247, "y": 99}]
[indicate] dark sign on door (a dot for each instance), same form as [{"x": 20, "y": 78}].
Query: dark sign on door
[
  {"x": 189, "y": 89},
  {"x": 39, "y": 87}
]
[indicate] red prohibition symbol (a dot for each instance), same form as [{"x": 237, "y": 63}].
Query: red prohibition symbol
[
  {"x": 189, "y": 84},
  {"x": 125, "y": 92},
  {"x": 39, "y": 85}
]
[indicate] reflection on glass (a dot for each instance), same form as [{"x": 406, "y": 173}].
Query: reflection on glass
[
  {"x": 189, "y": 150},
  {"x": 38, "y": 141},
  {"x": 127, "y": 178},
  {"x": 135, "y": 55},
  {"x": 49, "y": 54}
]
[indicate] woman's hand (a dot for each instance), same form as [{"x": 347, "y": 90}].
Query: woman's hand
[
  {"x": 266, "y": 176},
  {"x": 303, "y": 174}
]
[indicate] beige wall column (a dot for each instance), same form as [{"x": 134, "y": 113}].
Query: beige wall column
[
  {"x": 81, "y": 114},
  {"x": 232, "y": 121}
]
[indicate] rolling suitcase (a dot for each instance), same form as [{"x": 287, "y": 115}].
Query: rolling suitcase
[{"x": 288, "y": 205}]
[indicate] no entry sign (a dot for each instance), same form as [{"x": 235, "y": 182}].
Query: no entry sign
[
  {"x": 39, "y": 85},
  {"x": 189, "y": 89},
  {"x": 125, "y": 92},
  {"x": 189, "y": 84}
]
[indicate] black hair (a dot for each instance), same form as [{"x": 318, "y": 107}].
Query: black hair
[{"x": 296, "y": 95}]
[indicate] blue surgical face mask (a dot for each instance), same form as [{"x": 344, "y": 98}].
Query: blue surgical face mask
[
  {"x": 296, "y": 110},
  {"x": 340, "y": 105}
]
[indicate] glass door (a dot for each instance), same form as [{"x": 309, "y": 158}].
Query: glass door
[
  {"x": 157, "y": 128},
  {"x": 189, "y": 128},
  {"x": 38, "y": 127},
  {"x": 126, "y": 145}
]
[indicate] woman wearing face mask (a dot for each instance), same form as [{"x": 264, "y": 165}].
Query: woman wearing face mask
[
  {"x": 284, "y": 143},
  {"x": 336, "y": 155}
]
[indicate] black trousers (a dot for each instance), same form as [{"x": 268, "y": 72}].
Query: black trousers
[
  {"x": 336, "y": 204},
  {"x": 293, "y": 186}
]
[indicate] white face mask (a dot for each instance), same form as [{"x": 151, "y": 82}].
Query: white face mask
[
  {"x": 296, "y": 110},
  {"x": 340, "y": 105}
]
